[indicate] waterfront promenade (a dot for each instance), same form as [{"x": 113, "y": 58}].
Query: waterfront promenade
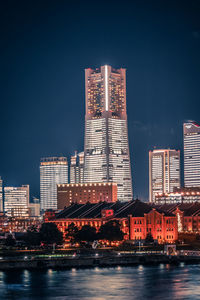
[{"x": 96, "y": 259}]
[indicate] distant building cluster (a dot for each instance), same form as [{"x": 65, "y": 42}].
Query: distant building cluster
[
  {"x": 164, "y": 170},
  {"x": 15, "y": 201},
  {"x": 105, "y": 161},
  {"x": 98, "y": 178}
]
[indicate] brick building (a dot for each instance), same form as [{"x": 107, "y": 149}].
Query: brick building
[
  {"x": 165, "y": 222},
  {"x": 85, "y": 192}
]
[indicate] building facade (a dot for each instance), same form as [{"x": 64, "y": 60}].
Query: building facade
[
  {"x": 77, "y": 168},
  {"x": 16, "y": 201},
  {"x": 136, "y": 218},
  {"x": 106, "y": 147},
  {"x": 179, "y": 195},
  {"x": 191, "y": 132},
  {"x": 53, "y": 171},
  {"x": 87, "y": 192},
  {"x": 164, "y": 172},
  {"x": 34, "y": 207},
  {"x": 166, "y": 223}
]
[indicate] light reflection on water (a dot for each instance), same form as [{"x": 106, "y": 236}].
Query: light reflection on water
[{"x": 123, "y": 283}]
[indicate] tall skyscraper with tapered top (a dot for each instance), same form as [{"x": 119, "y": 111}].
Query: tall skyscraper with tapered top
[
  {"x": 106, "y": 148},
  {"x": 191, "y": 133}
]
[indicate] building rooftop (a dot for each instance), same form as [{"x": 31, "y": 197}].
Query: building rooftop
[{"x": 136, "y": 208}]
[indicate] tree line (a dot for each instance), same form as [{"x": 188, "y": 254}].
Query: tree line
[{"x": 50, "y": 234}]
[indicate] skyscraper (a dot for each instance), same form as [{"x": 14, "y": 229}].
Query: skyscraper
[
  {"x": 53, "y": 171},
  {"x": 164, "y": 172},
  {"x": 191, "y": 133},
  {"x": 106, "y": 146},
  {"x": 77, "y": 167}
]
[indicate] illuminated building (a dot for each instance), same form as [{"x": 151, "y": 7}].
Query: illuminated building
[
  {"x": 136, "y": 218},
  {"x": 187, "y": 216},
  {"x": 34, "y": 208},
  {"x": 179, "y": 195},
  {"x": 166, "y": 222},
  {"x": 53, "y": 171},
  {"x": 106, "y": 146},
  {"x": 77, "y": 168},
  {"x": 164, "y": 172},
  {"x": 87, "y": 192},
  {"x": 191, "y": 132},
  {"x": 18, "y": 224},
  {"x": 1, "y": 195},
  {"x": 16, "y": 201}
]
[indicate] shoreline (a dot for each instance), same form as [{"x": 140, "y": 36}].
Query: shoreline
[{"x": 92, "y": 262}]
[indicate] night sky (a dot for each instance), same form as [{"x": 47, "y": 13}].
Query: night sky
[{"x": 45, "y": 47}]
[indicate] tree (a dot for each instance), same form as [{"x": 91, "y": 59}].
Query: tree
[
  {"x": 86, "y": 233},
  {"x": 149, "y": 239},
  {"x": 111, "y": 231},
  {"x": 32, "y": 237},
  {"x": 71, "y": 232},
  {"x": 50, "y": 234},
  {"x": 10, "y": 241}
]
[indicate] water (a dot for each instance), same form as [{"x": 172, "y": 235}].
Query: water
[{"x": 122, "y": 283}]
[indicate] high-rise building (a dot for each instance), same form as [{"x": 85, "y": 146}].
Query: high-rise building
[
  {"x": 77, "y": 167},
  {"x": 106, "y": 146},
  {"x": 1, "y": 194},
  {"x": 191, "y": 132},
  {"x": 53, "y": 170},
  {"x": 164, "y": 172},
  {"x": 16, "y": 201}
]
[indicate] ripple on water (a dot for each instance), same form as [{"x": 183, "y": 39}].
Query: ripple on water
[{"x": 124, "y": 283}]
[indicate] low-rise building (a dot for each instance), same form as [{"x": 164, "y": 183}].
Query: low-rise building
[
  {"x": 179, "y": 195},
  {"x": 34, "y": 208},
  {"x": 85, "y": 192},
  {"x": 165, "y": 222}
]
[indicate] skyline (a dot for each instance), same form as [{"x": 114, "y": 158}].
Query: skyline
[{"x": 43, "y": 80}]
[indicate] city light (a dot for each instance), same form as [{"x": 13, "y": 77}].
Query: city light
[{"x": 106, "y": 87}]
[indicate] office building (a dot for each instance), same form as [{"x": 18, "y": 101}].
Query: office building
[
  {"x": 16, "y": 201},
  {"x": 191, "y": 132},
  {"x": 34, "y": 207},
  {"x": 53, "y": 171},
  {"x": 106, "y": 145},
  {"x": 77, "y": 167},
  {"x": 87, "y": 192},
  {"x": 164, "y": 172}
]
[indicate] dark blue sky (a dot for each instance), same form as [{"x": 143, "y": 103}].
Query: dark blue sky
[{"x": 45, "y": 47}]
